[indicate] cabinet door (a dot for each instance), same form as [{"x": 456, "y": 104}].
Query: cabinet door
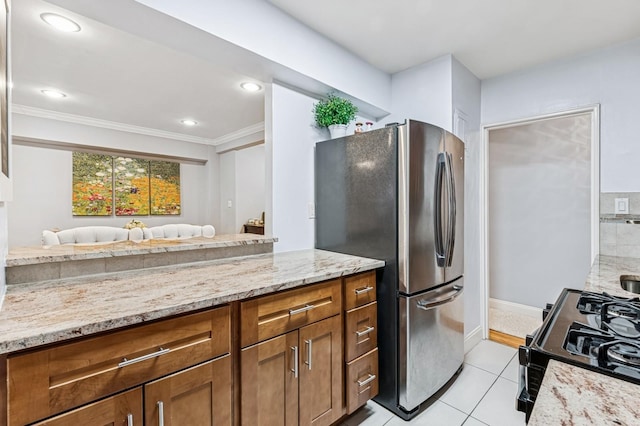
[
  {"x": 122, "y": 409},
  {"x": 321, "y": 381},
  {"x": 269, "y": 382},
  {"x": 198, "y": 396}
]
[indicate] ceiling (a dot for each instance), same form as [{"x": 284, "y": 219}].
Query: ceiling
[
  {"x": 112, "y": 75},
  {"x": 490, "y": 37}
]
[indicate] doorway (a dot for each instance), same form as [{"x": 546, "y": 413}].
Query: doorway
[{"x": 540, "y": 194}]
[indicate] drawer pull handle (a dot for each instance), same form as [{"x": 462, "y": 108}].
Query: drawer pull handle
[
  {"x": 295, "y": 361},
  {"x": 129, "y": 419},
  {"x": 365, "y": 331},
  {"x": 126, "y": 362},
  {"x": 160, "y": 413},
  {"x": 301, "y": 310},
  {"x": 363, "y": 290},
  {"x": 368, "y": 380},
  {"x": 309, "y": 352}
]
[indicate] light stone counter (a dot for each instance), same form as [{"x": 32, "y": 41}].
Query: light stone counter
[
  {"x": 21, "y": 256},
  {"x": 51, "y": 311},
  {"x": 572, "y": 395}
]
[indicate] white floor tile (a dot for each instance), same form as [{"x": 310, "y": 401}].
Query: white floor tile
[
  {"x": 371, "y": 414},
  {"x": 468, "y": 389},
  {"x": 473, "y": 422},
  {"x": 490, "y": 356},
  {"x": 438, "y": 414},
  {"x": 512, "y": 371},
  {"x": 498, "y": 407}
]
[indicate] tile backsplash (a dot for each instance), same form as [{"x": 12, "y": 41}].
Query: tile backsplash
[{"x": 618, "y": 238}]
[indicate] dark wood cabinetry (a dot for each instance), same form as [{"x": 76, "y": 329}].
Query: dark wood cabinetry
[
  {"x": 45, "y": 382},
  {"x": 295, "y": 378}
]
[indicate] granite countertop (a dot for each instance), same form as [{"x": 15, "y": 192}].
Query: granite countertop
[
  {"x": 33, "y": 255},
  {"x": 51, "y": 311},
  {"x": 572, "y": 395}
]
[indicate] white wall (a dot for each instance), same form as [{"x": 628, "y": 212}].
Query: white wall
[
  {"x": 42, "y": 180},
  {"x": 268, "y": 31},
  {"x": 242, "y": 182},
  {"x": 227, "y": 224},
  {"x": 250, "y": 166},
  {"x": 423, "y": 93},
  {"x": 4, "y": 248},
  {"x": 466, "y": 108},
  {"x": 292, "y": 141},
  {"x": 607, "y": 76}
]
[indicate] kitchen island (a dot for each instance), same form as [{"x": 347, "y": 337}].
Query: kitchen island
[
  {"x": 45, "y": 312},
  {"x": 572, "y": 395},
  {"x": 104, "y": 348}
]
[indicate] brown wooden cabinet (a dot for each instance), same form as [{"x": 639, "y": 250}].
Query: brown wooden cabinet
[
  {"x": 360, "y": 340},
  {"x": 199, "y": 395},
  {"x": 295, "y": 378},
  {"x": 45, "y": 382},
  {"x": 122, "y": 409}
]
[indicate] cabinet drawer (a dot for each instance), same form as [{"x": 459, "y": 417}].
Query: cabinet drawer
[
  {"x": 362, "y": 380},
  {"x": 359, "y": 289},
  {"x": 47, "y": 381},
  {"x": 116, "y": 410},
  {"x": 361, "y": 334},
  {"x": 269, "y": 316}
]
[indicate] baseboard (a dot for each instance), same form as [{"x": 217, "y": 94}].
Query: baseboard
[
  {"x": 472, "y": 338},
  {"x": 503, "y": 305}
]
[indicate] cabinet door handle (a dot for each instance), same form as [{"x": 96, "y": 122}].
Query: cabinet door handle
[
  {"x": 295, "y": 361},
  {"x": 365, "y": 331},
  {"x": 126, "y": 362},
  {"x": 301, "y": 310},
  {"x": 309, "y": 352},
  {"x": 363, "y": 290},
  {"x": 129, "y": 419},
  {"x": 161, "y": 413},
  {"x": 368, "y": 380}
]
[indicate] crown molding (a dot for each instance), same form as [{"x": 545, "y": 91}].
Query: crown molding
[
  {"x": 242, "y": 133},
  {"x": 113, "y": 125}
]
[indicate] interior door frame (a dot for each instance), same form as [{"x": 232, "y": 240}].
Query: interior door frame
[{"x": 594, "y": 111}]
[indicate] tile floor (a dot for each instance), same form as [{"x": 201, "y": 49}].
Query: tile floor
[{"x": 483, "y": 394}]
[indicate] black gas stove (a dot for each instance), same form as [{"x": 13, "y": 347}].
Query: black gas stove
[{"x": 596, "y": 331}]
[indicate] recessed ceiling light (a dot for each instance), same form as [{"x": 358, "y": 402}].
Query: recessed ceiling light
[
  {"x": 60, "y": 23},
  {"x": 53, "y": 94},
  {"x": 251, "y": 87},
  {"x": 189, "y": 122}
]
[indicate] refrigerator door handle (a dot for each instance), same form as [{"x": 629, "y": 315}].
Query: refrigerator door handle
[
  {"x": 437, "y": 210},
  {"x": 451, "y": 193},
  {"x": 426, "y": 304}
]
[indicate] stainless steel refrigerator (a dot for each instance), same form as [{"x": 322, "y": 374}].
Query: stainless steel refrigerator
[{"x": 397, "y": 194}]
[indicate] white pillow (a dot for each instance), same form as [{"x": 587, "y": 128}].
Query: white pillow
[
  {"x": 208, "y": 231},
  {"x": 136, "y": 234}
]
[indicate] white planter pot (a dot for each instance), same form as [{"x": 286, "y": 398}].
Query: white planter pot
[{"x": 338, "y": 130}]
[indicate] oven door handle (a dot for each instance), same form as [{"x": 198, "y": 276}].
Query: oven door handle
[{"x": 524, "y": 403}]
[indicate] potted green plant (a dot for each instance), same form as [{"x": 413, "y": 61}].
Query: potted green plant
[{"x": 335, "y": 113}]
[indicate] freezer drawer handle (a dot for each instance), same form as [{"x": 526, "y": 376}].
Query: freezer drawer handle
[
  {"x": 427, "y": 304},
  {"x": 126, "y": 361},
  {"x": 359, "y": 291},
  {"x": 301, "y": 310},
  {"x": 366, "y": 381},
  {"x": 365, "y": 331}
]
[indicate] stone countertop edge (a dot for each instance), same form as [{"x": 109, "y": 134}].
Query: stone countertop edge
[
  {"x": 21, "y": 256},
  {"x": 576, "y": 396},
  {"x": 53, "y": 311}
]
